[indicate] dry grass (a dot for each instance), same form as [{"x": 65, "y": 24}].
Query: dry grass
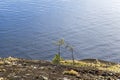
[
  {"x": 97, "y": 64},
  {"x": 71, "y": 72}
]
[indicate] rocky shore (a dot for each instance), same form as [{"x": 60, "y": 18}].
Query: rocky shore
[{"x": 22, "y": 69}]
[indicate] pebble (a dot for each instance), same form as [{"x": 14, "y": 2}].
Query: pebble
[
  {"x": 43, "y": 78},
  {"x": 1, "y": 78},
  {"x": 27, "y": 74},
  {"x": 65, "y": 78},
  {"x": 42, "y": 68},
  {"x": 35, "y": 67}
]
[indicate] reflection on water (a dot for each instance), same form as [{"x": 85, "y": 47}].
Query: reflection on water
[{"x": 28, "y": 28}]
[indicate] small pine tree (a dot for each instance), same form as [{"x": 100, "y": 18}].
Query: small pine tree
[
  {"x": 57, "y": 59},
  {"x": 71, "y": 49},
  {"x": 59, "y": 43}
]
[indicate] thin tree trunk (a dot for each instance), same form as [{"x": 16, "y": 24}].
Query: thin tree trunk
[
  {"x": 59, "y": 50},
  {"x": 59, "y": 53},
  {"x": 73, "y": 57}
]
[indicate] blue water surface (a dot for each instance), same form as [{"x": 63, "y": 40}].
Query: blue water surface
[{"x": 29, "y": 28}]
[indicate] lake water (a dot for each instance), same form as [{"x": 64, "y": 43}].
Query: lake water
[{"x": 29, "y": 28}]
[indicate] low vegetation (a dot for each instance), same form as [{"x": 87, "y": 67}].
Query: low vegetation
[
  {"x": 95, "y": 64},
  {"x": 57, "y": 59},
  {"x": 71, "y": 72}
]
